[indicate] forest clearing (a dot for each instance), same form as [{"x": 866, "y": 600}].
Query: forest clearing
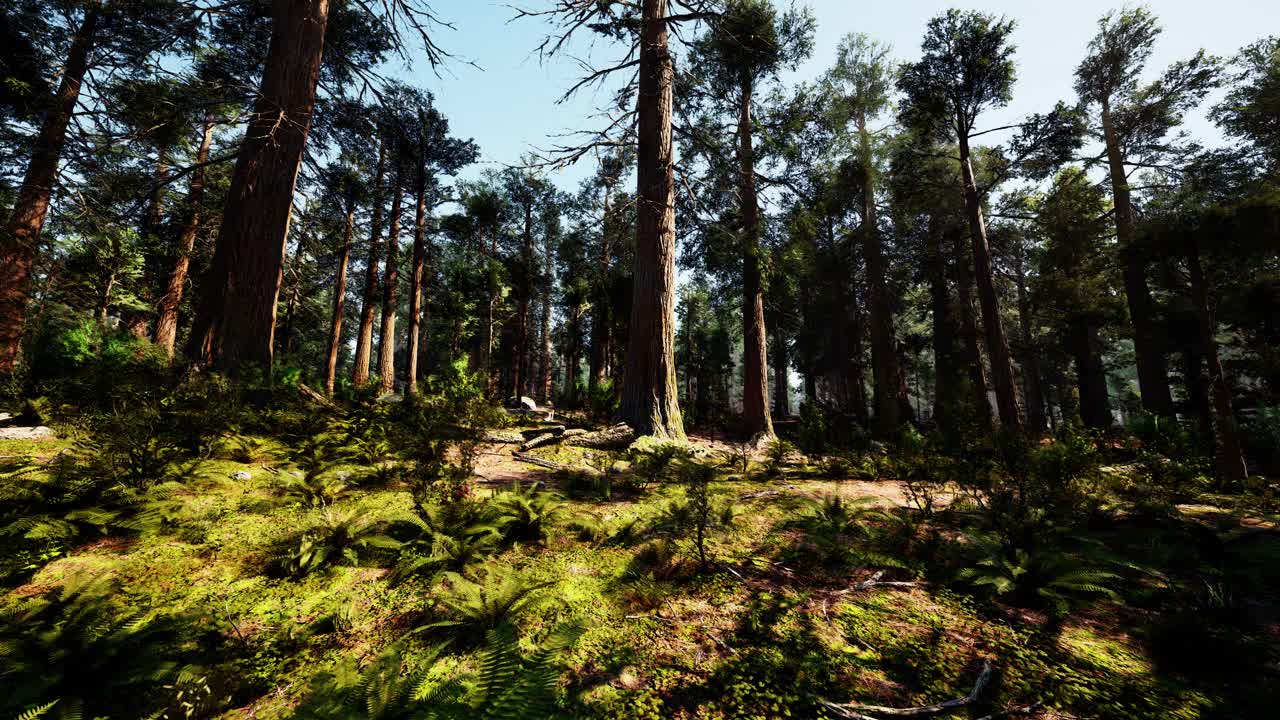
[{"x": 698, "y": 360}]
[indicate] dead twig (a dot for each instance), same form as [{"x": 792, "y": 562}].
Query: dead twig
[
  {"x": 875, "y": 582},
  {"x": 856, "y": 710}
]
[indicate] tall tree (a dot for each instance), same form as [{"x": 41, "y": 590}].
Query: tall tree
[
  {"x": 1134, "y": 122},
  {"x": 345, "y": 185},
  {"x": 166, "y": 331},
  {"x": 750, "y": 42},
  {"x": 861, "y": 81},
  {"x": 369, "y": 299},
  {"x": 391, "y": 289},
  {"x": 22, "y": 232},
  {"x": 237, "y": 316}
]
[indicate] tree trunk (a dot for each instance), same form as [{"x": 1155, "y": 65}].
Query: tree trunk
[
  {"x": 417, "y": 312},
  {"x": 972, "y": 353},
  {"x": 650, "y": 401},
  {"x": 944, "y": 356},
  {"x": 167, "y": 309},
  {"x": 1197, "y": 382},
  {"x": 781, "y": 377},
  {"x": 1032, "y": 388},
  {"x": 1148, "y": 343},
  {"x": 238, "y": 311},
  {"x": 984, "y": 276},
  {"x": 601, "y": 324},
  {"x": 1226, "y": 437},
  {"x": 339, "y": 303},
  {"x": 1091, "y": 375},
  {"x": 369, "y": 304},
  {"x": 521, "y": 364},
  {"x": 295, "y": 270},
  {"x": 575, "y": 355},
  {"x": 888, "y": 399},
  {"x": 755, "y": 377},
  {"x": 390, "y": 298},
  {"x": 545, "y": 396},
  {"x": 26, "y": 220}
]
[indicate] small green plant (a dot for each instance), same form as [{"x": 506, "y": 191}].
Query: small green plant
[
  {"x": 492, "y": 595},
  {"x": 698, "y": 513},
  {"x": 72, "y": 653},
  {"x": 778, "y": 454},
  {"x": 656, "y": 463},
  {"x": 313, "y": 490},
  {"x": 1046, "y": 577},
  {"x": 339, "y": 538},
  {"x": 388, "y": 688},
  {"x": 738, "y": 458},
  {"x": 525, "y": 514}
]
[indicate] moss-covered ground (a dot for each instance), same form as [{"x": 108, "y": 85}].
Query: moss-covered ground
[{"x": 775, "y": 622}]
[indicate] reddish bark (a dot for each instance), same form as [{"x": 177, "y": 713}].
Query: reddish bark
[
  {"x": 369, "y": 304},
  {"x": 390, "y": 286},
  {"x": 167, "y": 309},
  {"x": 650, "y": 401},
  {"x": 417, "y": 306},
  {"x": 757, "y": 419},
  {"x": 237, "y": 319},
  {"x": 22, "y": 234},
  {"x": 339, "y": 303}
]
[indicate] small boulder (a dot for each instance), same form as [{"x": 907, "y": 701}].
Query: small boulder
[
  {"x": 242, "y": 476},
  {"x": 521, "y": 403},
  {"x": 39, "y": 432}
]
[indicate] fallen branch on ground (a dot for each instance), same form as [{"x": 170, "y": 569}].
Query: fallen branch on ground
[
  {"x": 317, "y": 398},
  {"x": 875, "y": 581},
  {"x": 540, "y": 462},
  {"x": 855, "y": 711}
]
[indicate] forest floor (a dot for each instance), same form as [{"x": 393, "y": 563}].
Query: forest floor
[{"x": 777, "y": 620}]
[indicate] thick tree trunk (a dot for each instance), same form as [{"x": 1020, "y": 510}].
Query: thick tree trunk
[
  {"x": 167, "y": 309},
  {"x": 888, "y": 400},
  {"x": 238, "y": 311},
  {"x": 1032, "y": 388},
  {"x": 575, "y": 355},
  {"x": 971, "y": 352},
  {"x": 390, "y": 297},
  {"x": 22, "y": 232},
  {"x": 650, "y": 398},
  {"x": 1002, "y": 375},
  {"x": 755, "y": 372},
  {"x": 339, "y": 303},
  {"x": 1091, "y": 375},
  {"x": 1226, "y": 436},
  {"x": 1148, "y": 342},
  {"x": 369, "y": 303},
  {"x": 417, "y": 311}
]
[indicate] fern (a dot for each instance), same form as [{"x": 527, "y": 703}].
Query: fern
[
  {"x": 340, "y": 538},
  {"x": 493, "y": 595},
  {"x": 36, "y": 712},
  {"x": 525, "y": 514}
]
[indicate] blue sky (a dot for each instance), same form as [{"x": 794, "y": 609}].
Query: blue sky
[{"x": 509, "y": 104}]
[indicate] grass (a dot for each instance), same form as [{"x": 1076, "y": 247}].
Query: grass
[{"x": 757, "y": 636}]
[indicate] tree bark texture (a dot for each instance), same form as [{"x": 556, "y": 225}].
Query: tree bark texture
[
  {"x": 22, "y": 233},
  {"x": 369, "y": 303},
  {"x": 650, "y": 401},
  {"x": 339, "y": 303},
  {"x": 1226, "y": 435},
  {"x": 238, "y": 311},
  {"x": 167, "y": 309},
  {"x": 755, "y": 373},
  {"x": 417, "y": 307},
  {"x": 390, "y": 297}
]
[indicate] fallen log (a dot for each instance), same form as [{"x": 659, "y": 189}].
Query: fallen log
[
  {"x": 855, "y": 711},
  {"x": 501, "y": 437},
  {"x": 618, "y": 436},
  {"x": 315, "y": 397},
  {"x": 540, "y": 462},
  {"x": 538, "y": 441}
]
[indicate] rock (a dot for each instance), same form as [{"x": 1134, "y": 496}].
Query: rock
[
  {"x": 521, "y": 403},
  {"x": 5, "y": 418},
  {"x": 390, "y": 398},
  {"x": 39, "y": 432},
  {"x": 242, "y": 476}
]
